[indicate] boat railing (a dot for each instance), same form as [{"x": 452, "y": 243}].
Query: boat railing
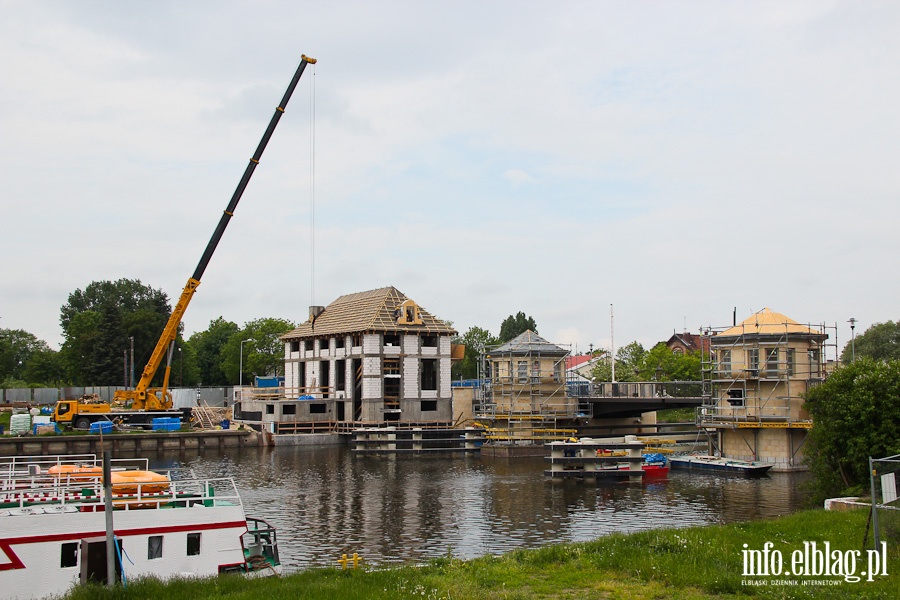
[
  {"x": 15, "y": 466},
  {"x": 86, "y": 493}
]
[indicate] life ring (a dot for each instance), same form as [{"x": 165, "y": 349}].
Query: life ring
[
  {"x": 130, "y": 482},
  {"x": 75, "y": 472}
]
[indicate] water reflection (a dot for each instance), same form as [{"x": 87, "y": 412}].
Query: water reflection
[{"x": 326, "y": 502}]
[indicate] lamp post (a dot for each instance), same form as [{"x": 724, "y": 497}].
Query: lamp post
[
  {"x": 852, "y": 322},
  {"x": 241, "y": 368}
]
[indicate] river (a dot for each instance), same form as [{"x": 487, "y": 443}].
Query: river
[{"x": 388, "y": 509}]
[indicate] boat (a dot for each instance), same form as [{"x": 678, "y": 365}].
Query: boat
[
  {"x": 53, "y": 525},
  {"x": 655, "y": 464},
  {"x": 701, "y": 462}
]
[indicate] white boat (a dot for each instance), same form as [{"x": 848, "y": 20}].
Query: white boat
[{"x": 53, "y": 526}]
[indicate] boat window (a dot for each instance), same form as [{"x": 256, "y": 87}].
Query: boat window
[
  {"x": 193, "y": 544},
  {"x": 69, "y": 555},
  {"x": 154, "y": 546}
]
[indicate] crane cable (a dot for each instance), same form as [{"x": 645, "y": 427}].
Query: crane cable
[{"x": 312, "y": 189}]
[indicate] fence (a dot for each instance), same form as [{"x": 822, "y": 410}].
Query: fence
[
  {"x": 181, "y": 397},
  {"x": 883, "y": 476}
]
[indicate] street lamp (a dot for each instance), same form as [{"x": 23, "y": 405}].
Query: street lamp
[
  {"x": 241, "y": 368},
  {"x": 852, "y": 322}
]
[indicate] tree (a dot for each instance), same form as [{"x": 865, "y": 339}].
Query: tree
[
  {"x": 856, "y": 412},
  {"x": 98, "y": 322},
  {"x": 881, "y": 341},
  {"x": 661, "y": 364},
  {"x": 23, "y": 357},
  {"x": 208, "y": 346},
  {"x": 477, "y": 342},
  {"x": 264, "y": 355},
  {"x": 516, "y": 325}
]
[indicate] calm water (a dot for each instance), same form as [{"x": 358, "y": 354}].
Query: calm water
[{"x": 326, "y": 502}]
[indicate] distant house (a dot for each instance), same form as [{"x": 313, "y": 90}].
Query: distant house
[
  {"x": 580, "y": 367},
  {"x": 683, "y": 343},
  {"x": 366, "y": 358}
]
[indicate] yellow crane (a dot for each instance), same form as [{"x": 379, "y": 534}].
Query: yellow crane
[{"x": 143, "y": 397}]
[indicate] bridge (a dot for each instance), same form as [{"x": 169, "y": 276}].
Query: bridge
[{"x": 631, "y": 399}]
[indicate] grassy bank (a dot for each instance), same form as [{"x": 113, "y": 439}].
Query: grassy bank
[{"x": 700, "y": 562}]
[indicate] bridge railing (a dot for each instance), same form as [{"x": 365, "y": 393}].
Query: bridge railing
[{"x": 648, "y": 389}]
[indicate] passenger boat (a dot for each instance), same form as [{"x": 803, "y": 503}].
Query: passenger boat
[
  {"x": 717, "y": 463},
  {"x": 167, "y": 524}
]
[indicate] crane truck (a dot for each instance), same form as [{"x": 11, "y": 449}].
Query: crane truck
[{"x": 144, "y": 402}]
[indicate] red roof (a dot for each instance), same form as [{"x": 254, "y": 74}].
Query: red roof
[{"x": 577, "y": 361}]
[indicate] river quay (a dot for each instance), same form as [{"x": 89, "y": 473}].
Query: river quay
[{"x": 36, "y": 445}]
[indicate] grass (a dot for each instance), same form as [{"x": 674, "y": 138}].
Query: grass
[
  {"x": 675, "y": 415},
  {"x": 693, "y": 563}
]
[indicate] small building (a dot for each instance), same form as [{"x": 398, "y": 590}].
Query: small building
[
  {"x": 526, "y": 386},
  {"x": 758, "y": 372},
  {"x": 367, "y": 358}
]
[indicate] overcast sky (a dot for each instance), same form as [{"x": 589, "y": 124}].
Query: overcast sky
[{"x": 677, "y": 160}]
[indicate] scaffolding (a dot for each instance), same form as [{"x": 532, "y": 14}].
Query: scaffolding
[
  {"x": 523, "y": 396},
  {"x": 755, "y": 375}
]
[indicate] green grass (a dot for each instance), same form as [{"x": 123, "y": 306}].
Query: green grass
[
  {"x": 699, "y": 562},
  {"x": 675, "y": 415}
]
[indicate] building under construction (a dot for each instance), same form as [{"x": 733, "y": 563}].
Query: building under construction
[
  {"x": 524, "y": 395},
  {"x": 755, "y": 376},
  {"x": 368, "y": 358}
]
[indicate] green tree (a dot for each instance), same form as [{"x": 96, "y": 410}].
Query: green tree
[
  {"x": 97, "y": 323},
  {"x": 881, "y": 341},
  {"x": 262, "y": 356},
  {"x": 856, "y": 412},
  {"x": 477, "y": 342},
  {"x": 661, "y": 364},
  {"x": 516, "y": 325},
  {"x": 208, "y": 346},
  {"x": 20, "y": 352}
]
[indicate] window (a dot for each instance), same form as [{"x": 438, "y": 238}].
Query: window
[
  {"x": 725, "y": 362},
  {"x": 340, "y": 375},
  {"x": 356, "y": 340},
  {"x": 522, "y": 371},
  {"x": 154, "y": 546},
  {"x": 429, "y": 341},
  {"x": 270, "y": 409},
  {"x": 429, "y": 374},
  {"x": 790, "y": 361},
  {"x": 813, "y": 363},
  {"x": 429, "y": 405},
  {"x": 339, "y": 341},
  {"x": 68, "y": 556},
  {"x": 753, "y": 359},
  {"x": 536, "y": 371},
  {"x": 318, "y": 408},
  {"x": 772, "y": 360},
  {"x": 557, "y": 372},
  {"x": 392, "y": 339},
  {"x": 736, "y": 397},
  {"x": 193, "y": 544},
  {"x": 289, "y": 409},
  {"x": 295, "y": 346}
]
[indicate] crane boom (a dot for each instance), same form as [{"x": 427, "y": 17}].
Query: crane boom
[{"x": 143, "y": 397}]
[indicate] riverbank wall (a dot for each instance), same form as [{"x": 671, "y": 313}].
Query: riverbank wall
[{"x": 35, "y": 445}]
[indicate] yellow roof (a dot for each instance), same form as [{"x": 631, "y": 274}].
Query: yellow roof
[{"x": 767, "y": 321}]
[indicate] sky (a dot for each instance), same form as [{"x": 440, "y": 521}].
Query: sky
[{"x": 619, "y": 171}]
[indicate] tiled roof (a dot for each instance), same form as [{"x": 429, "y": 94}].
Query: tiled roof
[
  {"x": 528, "y": 342},
  {"x": 577, "y": 361},
  {"x": 768, "y": 322},
  {"x": 375, "y": 310}
]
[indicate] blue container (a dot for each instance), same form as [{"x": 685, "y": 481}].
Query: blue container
[
  {"x": 101, "y": 427},
  {"x": 166, "y": 424},
  {"x": 226, "y": 424}
]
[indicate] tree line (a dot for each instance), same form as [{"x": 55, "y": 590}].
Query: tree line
[{"x": 104, "y": 321}]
